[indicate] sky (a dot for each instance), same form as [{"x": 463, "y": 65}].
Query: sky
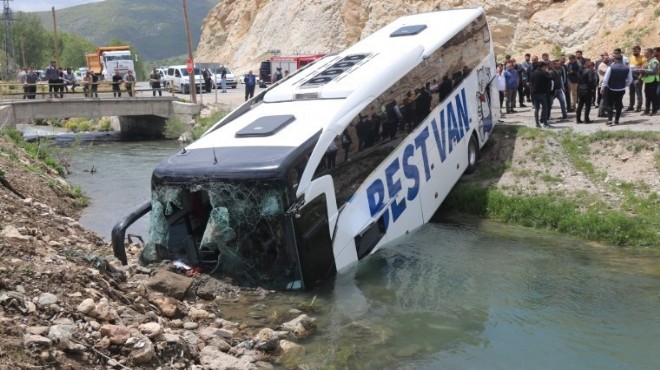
[{"x": 44, "y": 5}]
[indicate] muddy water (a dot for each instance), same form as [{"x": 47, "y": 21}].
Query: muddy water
[{"x": 456, "y": 294}]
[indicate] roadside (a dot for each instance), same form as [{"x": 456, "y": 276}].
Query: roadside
[{"x": 589, "y": 180}]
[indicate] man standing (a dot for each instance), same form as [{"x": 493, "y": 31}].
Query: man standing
[
  {"x": 526, "y": 71},
  {"x": 651, "y": 78},
  {"x": 511, "y": 77},
  {"x": 250, "y": 81},
  {"x": 636, "y": 63},
  {"x": 587, "y": 80},
  {"x": 556, "y": 72},
  {"x": 617, "y": 77},
  {"x": 116, "y": 84},
  {"x": 541, "y": 84},
  {"x": 22, "y": 78},
  {"x": 129, "y": 82},
  {"x": 223, "y": 78},
  {"x": 52, "y": 76},
  {"x": 31, "y": 79},
  {"x": 572, "y": 69},
  {"x": 154, "y": 80}
]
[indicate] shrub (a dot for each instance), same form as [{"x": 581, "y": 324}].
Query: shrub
[
  {"x": 205, "y": 123},
  {"x": 174, "y": 127},
  {"x": 78, "y": 124},
  {"x": 104, "y": 124}
]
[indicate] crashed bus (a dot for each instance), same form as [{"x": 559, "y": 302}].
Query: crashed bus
[{"x": 259, "y": 199}]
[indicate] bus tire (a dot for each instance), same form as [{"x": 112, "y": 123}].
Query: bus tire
[{"x": 472, "y": 154}]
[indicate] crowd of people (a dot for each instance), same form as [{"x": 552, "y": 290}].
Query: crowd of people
[
  {"x": 64, "y": 80},
  {"x": 579, "y": 83}
]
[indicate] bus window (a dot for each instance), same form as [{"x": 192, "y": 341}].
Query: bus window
[{"x": 378, "y": 129}]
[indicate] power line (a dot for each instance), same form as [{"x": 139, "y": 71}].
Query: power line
[{"x": 9, "y": 44}]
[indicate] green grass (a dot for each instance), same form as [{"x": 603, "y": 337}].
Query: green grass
[
  {"x": 204, "y": 123},
  {"x": 38, "y": 150},
  {"x": 628, "y": 217},
  {"x": 174, "y": 127},
  {"x": 593, "y": 221},
  {"x": 81, "y": 199}
]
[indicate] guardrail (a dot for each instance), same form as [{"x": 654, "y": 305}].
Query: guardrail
[{"x": 18, "y": 91}]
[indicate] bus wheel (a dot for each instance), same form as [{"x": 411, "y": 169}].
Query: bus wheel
[{"x": 472, "y": 154}]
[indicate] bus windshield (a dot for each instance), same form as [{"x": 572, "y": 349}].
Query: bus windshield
[{"x": 235, "y": 229}]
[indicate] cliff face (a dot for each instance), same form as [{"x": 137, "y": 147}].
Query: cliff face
[{"x": 240, "y": 33}]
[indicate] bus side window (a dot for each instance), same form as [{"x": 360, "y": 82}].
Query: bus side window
[{"x": 381, "y": 126}]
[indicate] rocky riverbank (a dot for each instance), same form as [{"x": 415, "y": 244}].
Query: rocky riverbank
[{"x": 65, "y": 302}]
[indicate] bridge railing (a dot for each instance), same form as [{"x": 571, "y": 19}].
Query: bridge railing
[{"x": 43, "y": 90}]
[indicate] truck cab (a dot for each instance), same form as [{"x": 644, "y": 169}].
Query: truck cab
[{"x": 116, "y": 60}]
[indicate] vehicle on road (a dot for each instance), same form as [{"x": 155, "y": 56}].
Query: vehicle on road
[
  {"x": 178, "y": 79},
  {"x": 108, "y": 59},
  {"x": 230, "y": 79}
]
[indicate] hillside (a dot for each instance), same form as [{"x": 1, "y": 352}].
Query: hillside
[
  {"x": 155, "y": 27},
  {"x": 242, "y": 32}
]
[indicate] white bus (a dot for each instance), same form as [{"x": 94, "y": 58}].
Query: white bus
[{"x": 264, "y": 198}]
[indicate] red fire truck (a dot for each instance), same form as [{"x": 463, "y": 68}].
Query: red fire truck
[{"x": 268, "y": 68}]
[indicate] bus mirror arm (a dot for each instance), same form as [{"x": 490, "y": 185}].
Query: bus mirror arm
[{"x": 294, "y": 210}]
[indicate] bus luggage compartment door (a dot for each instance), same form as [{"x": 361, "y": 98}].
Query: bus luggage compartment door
[{"x": 315, "y": 254}]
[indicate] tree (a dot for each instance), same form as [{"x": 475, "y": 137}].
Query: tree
[
  {"x": 73, "y": 49},
  {"x": 30, "y": 40}
]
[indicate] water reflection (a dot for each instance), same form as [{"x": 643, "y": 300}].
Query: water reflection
[{"x": 464, "y": 296}]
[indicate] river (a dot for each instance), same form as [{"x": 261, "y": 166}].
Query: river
[{"x": 456, "y": 294}]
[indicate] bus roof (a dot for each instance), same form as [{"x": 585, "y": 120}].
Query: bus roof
[{"x": 328, "y": 94}]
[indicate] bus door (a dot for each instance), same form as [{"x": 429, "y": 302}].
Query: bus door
[{"x": 313, "y": 227}]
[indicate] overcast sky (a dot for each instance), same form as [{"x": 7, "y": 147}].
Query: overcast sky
[{"x": 44, "y": 5}]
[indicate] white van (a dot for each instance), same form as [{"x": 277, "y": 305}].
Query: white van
[{"x": 178, "y": 78}]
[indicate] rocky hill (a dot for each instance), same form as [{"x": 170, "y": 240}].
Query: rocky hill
[{"x": 241, "y": 33}]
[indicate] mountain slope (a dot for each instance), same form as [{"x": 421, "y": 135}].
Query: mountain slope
[
  {"x": 155, "y": 27},
  {"x": 240, "y": 33}
]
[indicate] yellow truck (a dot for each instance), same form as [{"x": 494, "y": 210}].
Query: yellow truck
[{"x": 106, "y": 59}]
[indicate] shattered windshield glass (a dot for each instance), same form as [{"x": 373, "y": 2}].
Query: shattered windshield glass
[{"x": 234, "y": 229}]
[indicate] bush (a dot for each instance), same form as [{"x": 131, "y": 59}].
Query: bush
[
  {"x": 78, "y": 124},
  {"x": 104, "y": 124},
  {"x": 174, "y": 127},
  {"x": 205, "y": 123}
]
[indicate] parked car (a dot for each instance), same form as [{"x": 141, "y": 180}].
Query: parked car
[
  {"x": 178, "y": 79},
  {"x": 230, "y": 78}
]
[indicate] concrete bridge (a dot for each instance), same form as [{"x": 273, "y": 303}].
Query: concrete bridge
[{"x": 138, "y": 117}]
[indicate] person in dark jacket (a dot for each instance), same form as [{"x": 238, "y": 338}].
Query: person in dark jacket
[
  {"x": 250, "y": 81},
  {"x": 541, "y": 84},
  {"x": 587, "y": 81},
  {"x": 617, "y": 77}
]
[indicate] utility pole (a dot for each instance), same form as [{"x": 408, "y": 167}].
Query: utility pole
[
  {"x": 8, "y": 39},
  {"x": 193, "y": 85},
  {"x": 55, "y": 41}
]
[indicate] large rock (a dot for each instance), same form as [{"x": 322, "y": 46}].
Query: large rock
[
  {"x": 117, "y": 334},
  {"x": 143, "y": 350},
  {"x": 151, "y": 329},
  {"x": 31, "y": 340},
  {"x": 301, "y": 326},
  {"x": 266, "y": 340},
  {"x": 10, "y": 232},
  {"x": 170, "y": 284},
  {"x": 167, "y": 305},
  {"x": 208, "y": 333},
  {"x": 213, "y": 358},
  {"x": 239, "y": 32},
  {"x": 46, "y": 299}
]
